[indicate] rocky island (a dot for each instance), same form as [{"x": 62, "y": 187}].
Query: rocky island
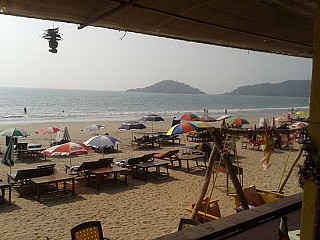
[
  {"x": 290, "y": 88},
  {"x": 168, "y": 86}
]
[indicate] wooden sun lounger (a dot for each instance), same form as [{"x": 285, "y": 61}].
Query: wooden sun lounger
[
  {"x": 22, "y": 177},
  {"x": 86, "y": 166},
  {"x": 171, "y": 156}
]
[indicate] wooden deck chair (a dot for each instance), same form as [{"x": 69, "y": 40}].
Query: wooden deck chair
[
  {"x": 169, "y": 156},
  {"x": 256, "y": 197},
  {"x": 207, "y": 214},
  {"x": 88, "y": 230}
]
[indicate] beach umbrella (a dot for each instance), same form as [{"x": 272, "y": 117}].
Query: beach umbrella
[
  {"x": 238, "y": 121},
  {"x": 282, "y": 119},
  {"x": 8, "y": 158},
  {"x": 181, "y": 128},
  {"x": 132, "y": 125},
  {"x": 201, "y": 124},
  {"x": 101, "y": 140},
  {"x": 49, "y": 130},
  {"x": 301, "y": 114},
  {"x": 14, "y": 132},
  {"x": 298, "y": 125},
  {"x": 223, "y": 117},
  {"x": 207, "y": 118},
  {"x": 288, "y": 114},
  {"x": 67, "y": 149},
  {"x": 152, "y": 118},
  {"x": 188, "y": 117},
  {"x": 273, "y": 125},
  {"x": 93, "y": 127}
]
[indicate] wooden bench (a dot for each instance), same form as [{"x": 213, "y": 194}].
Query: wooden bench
[{"x": 22, "y": 177}]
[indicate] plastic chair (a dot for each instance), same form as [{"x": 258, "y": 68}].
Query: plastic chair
[{"x": 88, "y": 231}]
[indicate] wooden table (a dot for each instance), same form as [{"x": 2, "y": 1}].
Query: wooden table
[
  {"x": 102, "y": 172},
  {"x": 223, "y": 169},
  {"x": 46, "y": 180},
  {"x": 32, "y": 153},
  {"x": 3, "y": 187},
  {"x": 192, "y": 157},
  {"x": 157, "y": 164}
]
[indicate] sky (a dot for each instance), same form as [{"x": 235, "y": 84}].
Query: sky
[{"x": 103, "y": 59}]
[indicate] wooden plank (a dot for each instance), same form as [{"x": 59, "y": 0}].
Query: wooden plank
[{"x": 240, "y": 221}]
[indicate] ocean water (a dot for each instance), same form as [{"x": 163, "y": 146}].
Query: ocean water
[{"x": 84, "y": 105}]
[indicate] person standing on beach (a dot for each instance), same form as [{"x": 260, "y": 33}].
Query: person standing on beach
[
  {"x": 25, "y": 110},
  {"x": 225, "y": 111}
]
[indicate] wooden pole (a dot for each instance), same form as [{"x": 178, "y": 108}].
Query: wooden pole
[
  {"x": 232, "y": 174},
  {"x": 290, "y": 171},
  {"x": 310, "y": 206},
  {"x": 206, "y": 182}
]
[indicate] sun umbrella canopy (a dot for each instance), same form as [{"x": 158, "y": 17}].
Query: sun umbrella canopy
[
  {"x": 188, "y": 117},
  {"x": 282, "y": 119},
  {"x": 132, "y": 126},
  {"x": 93, "y": 127},
  {"x": 8, "y": 156},
  {"x": 14, "y": 132},
  {"x": 207, "y": 118},
  {"x": 298, "y": 125},
  {"x": 152, "y": 118},
  {"x": 181, "y": 128},
  {"x": 223, "y": 117},
  {"x": 238, "y": 121},
  {"x": 67, "y": 149},
  {"x": 201, "y": 124},
  {"x": 49, "y": 130},
  {"x": 102, "y": 140},
  {"x": 301, "y": 114}
]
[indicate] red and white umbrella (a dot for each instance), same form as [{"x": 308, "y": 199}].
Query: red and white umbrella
[
  {"x": 49, "y": 130},
  {"x": 298, "y": 125},
  {"x": 67, "y": 149}
]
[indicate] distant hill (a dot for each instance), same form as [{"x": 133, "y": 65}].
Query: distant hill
[
  {"x": 168, "y": 86},
  {"x": 290, "y": 88}
]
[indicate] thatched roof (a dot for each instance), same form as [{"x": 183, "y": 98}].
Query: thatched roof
[{"x": 276, "y": 26}]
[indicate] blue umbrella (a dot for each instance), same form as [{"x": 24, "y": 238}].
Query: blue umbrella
[
  {"x": 102, "y": 140},
  {"x": 152, "y": 118},
  {"x": 8, "y": 156}
]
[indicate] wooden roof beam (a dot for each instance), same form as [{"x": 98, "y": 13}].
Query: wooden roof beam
[{"x": 106, "y": 14}]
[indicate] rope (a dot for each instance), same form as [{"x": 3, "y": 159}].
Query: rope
[{"x": 285, "y": 166}]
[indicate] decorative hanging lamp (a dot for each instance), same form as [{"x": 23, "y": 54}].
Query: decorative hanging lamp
[{"x": 52, "y": 35}]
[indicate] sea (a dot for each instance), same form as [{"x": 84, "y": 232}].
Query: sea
[{"x": 56, "y": 105}]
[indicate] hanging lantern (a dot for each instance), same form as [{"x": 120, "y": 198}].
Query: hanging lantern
[{"x": 53, "y": 36}]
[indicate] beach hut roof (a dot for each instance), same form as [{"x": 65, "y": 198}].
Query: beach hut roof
[{"x": 282, "y": 27}]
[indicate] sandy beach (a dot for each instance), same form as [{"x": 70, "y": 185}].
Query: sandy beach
[{"x": 139, "y": 210}]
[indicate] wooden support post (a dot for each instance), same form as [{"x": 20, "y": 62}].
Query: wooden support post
[
  {"x": 206, "y": 182},
  {"x": 310, "y": 206},
  {"x": 281, "y": 187},
  {"x": 233, "y": 175}
]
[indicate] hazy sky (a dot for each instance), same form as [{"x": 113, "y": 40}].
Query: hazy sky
[{"x": 96, "y": 58}]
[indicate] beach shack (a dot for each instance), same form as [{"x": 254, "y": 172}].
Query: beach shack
[{"x": 274, "y": 26}]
